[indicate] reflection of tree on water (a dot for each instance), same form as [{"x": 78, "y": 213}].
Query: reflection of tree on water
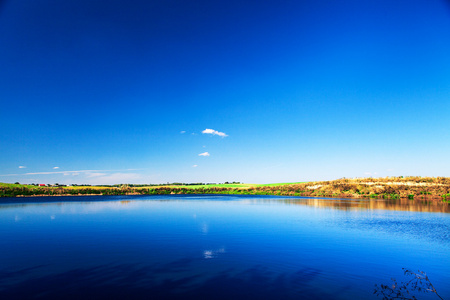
[{"x": 372, "y": 204}]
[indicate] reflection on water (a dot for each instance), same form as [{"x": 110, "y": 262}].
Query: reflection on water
[
  {"x": 337, "y": 203},
  {"x": 221, "y": 247},
  {"x": 370, "y": 204}
]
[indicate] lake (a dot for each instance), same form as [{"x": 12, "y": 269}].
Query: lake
[{"x": 218, "y": 247}]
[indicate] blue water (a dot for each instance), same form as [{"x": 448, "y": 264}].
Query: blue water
[{"x": 217, "y": 247}]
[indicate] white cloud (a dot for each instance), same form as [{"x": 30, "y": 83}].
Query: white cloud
[
  {"x": 22, "y": 167},
  {"x": 204, "y": 154},
  {"x": 214, "y": 132},
  {"x": 63, "y": 172},
  {"x": 182, "y": 131},
  {"x": 95, "y": 174},
  {"x": 211, "y": 131},
  {"x": 195, "y": 166},
  {"x": 54, "y": 168},
  {"x": 115, "y": 178},
  {"x": 78, "y": 172},
  {"x": 86, "y": 173}
]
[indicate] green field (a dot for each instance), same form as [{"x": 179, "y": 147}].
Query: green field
[
  {"x": 230, "y": 185},
  {"x": 12, "y": 185}
]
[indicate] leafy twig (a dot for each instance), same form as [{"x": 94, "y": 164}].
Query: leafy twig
[{"x": 419, "y": 282}]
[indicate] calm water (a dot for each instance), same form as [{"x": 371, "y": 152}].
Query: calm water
[{"x": 217, "y": 247}]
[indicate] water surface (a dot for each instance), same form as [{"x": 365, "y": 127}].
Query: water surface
[{"x": 218, "y": 247}]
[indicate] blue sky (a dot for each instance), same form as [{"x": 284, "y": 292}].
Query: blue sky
[{"x": 105, "y": 92}]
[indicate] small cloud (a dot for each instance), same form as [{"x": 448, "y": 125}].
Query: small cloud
[
  {"x": 204, "y": 154},
  {"x": 22, "y": 167},
  {"x": 214, "y": 132},
  {"x": 182, "y": 132},
  {"x": 193, "y": 133},
  {"x": 367, "y": 173},
  {"x": 195, "y": 166},
  {"x": 54, "y": 168}
]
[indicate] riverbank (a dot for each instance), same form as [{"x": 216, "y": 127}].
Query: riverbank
[{"x": 429, "y": 188}]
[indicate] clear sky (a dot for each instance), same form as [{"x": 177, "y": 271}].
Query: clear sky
[{"x": 115, "y": 91}]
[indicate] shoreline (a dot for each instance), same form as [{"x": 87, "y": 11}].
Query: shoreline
[
  {"x": 338, "y": 196},
  {"x": 411, "y": 188}
]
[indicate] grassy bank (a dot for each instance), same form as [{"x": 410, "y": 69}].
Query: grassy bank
[{"x": 433, "y": 188}]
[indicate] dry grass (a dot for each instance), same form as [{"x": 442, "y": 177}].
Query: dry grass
[{"x": 387, "y": 187}]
